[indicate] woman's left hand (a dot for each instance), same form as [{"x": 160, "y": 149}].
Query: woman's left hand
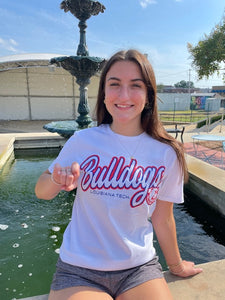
[{"x": 186, "y": 269}]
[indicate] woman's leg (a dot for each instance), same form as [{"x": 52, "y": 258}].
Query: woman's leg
[
  {"x": 151, "y": 290},
  {"x": 79, "y": 293}
]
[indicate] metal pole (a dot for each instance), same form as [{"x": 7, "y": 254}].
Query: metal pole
[
  {"x": 221, "y": 125},
  {"x": 28, "y": 95}
]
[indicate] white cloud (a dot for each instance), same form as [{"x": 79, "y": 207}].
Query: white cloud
[
  {"x": 8, "y": 44},
  {"x": 145, "y": 3},
  {"x": 13, "y": 42}
]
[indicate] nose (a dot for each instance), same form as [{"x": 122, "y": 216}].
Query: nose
[{"x": 124, "y": 93}]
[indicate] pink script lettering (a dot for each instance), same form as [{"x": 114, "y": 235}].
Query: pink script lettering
[{"x": 117, "y": 175}]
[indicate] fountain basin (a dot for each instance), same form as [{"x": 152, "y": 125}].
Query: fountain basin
[
  {"x": 83, "y": 68},
  {"x": 80, "y": 66},
  {"x": 65, "y": 128}
]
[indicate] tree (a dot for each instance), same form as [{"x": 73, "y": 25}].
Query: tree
[
  {"x": 184, "y": 84},
  {"x": 160, "y": 87},
  {"x": 209, "y": 53}
]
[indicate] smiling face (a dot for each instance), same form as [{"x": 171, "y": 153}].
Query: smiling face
[{"x": 125, "y": 97}]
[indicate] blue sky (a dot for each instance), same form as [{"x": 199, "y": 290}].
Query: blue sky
[{"x": 160, "y": 28}]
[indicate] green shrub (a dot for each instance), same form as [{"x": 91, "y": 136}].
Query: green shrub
[
  {"x": 201, "y": 123},
  {"x": 215, "y": 119},
  {"x": 211, "y": 120}
]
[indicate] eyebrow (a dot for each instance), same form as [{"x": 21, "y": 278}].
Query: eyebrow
[{"x": 118, "y": 79}]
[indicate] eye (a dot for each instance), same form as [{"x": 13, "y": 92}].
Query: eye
[
  {"x": 114, "y": 84},
  {"x": 136, "y": 85}
]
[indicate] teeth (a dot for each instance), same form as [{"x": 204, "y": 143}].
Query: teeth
[{"x": 122, "y": 106}]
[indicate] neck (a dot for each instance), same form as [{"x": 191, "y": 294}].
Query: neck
[{"x": 127, "y": 130}]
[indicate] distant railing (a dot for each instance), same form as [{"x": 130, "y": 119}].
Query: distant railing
[{"x": 189, "y": 117}]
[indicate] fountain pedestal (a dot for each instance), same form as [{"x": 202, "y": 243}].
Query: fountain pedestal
[{"x": 82, "y": 66}]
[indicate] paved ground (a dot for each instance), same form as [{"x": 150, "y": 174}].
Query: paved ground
[
  {"x": 22, "y": 126},
  {"x": 37, "y": 126},
  {"x": 10, "y": 127}
]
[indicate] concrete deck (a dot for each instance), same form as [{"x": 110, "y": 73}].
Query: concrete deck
[{"x": 205, "y": 180}]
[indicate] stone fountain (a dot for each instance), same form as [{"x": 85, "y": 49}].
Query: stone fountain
[{"x": 82, "y": 66}]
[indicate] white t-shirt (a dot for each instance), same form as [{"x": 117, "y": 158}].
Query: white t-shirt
[{"x": 121, "y": 178}]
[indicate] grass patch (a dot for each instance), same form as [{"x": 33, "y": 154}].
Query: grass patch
[{"x": 186, "y": 116}]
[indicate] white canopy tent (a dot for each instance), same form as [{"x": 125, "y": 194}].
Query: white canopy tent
[{"x": 32, "y": 89}]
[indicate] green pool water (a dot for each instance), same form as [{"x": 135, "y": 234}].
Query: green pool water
[{"x": 31, "y": 230}]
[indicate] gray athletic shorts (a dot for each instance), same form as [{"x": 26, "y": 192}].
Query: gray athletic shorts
[{"x": 113, "y": 283}]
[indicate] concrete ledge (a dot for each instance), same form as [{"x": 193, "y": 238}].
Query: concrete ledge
[
  {"x": 10, "y": 142},
  {"x": 38, "y": 142},
  {"x": 207, "y": 182},
  {"x": 209, "y": 285},
  {"x": 42, "y": 297},
  {"x": 6, "y": 149}
]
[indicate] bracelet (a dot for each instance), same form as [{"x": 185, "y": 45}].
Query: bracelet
[
  {"x": 177, "y": 273},
  {"x": 53, "y": 180},
  {"x": 176, "y": 265}
]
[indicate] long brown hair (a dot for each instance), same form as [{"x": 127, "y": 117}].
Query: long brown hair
[{"x": 149, "y": 117}]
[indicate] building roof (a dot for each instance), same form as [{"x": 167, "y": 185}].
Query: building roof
[
  {"x": 26, "y": 60},
  {"x": 219, "y": 90},
  {"x": 203, "y": 94}
]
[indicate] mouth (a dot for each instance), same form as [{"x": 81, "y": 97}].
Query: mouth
[{"x": 123, "y": 105}]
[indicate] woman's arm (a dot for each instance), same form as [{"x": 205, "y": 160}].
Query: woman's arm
[
  {"x": 165, "y": 229},
  {"x": 49, "y": 185}
]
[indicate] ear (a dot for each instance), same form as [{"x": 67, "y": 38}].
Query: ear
[{"x": 147, "y": 105}]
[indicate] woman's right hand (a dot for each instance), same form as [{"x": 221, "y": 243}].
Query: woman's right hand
[{"x": 67, "y": 177}]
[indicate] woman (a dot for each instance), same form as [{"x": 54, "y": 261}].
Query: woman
[{"x": 128, "y": 173}]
